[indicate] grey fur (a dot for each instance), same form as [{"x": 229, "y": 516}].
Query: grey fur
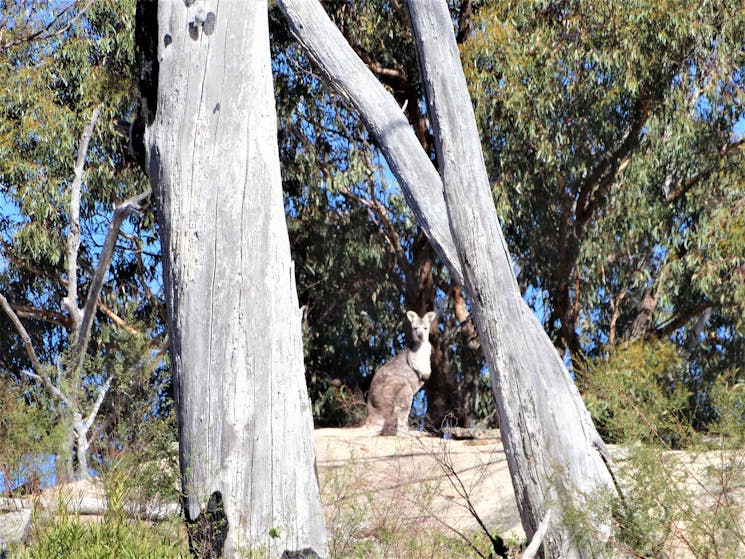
[{"x": 395, "y": 383}]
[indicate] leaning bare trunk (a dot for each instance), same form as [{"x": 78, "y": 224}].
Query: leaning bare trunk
[
  {"x": 245, "y": 425},
  {"x": 556, "y": 458},
  {"x": 385, "y": 121}
]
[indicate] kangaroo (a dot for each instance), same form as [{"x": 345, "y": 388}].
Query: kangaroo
[{"x": 395, "y": 383}]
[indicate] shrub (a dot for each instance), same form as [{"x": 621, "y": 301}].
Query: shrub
[
  {"x": 112, "y": 538},
  {"x": 636, "y": 394}
]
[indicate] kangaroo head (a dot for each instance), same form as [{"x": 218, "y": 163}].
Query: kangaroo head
[{"x": 420, "y": 326}]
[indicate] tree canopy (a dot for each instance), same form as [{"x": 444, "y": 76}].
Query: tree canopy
[
  {"x": 611, "y": 135},
  {"x": 614, "y": 135}
]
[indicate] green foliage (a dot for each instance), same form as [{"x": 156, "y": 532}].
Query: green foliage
[
  {"x": 29, "y": 433},
  {"x": 728, "y": 397},
  {"x": 690, "y": 499},
  {"x": 57, "y": 65},
  {"x": 51, "y": 88},
  {"x": 636, "y": 394},
  {"x": 114, "y": 538},
  {"x": 139, "y": 415},
  {"x": 147, "y": 476},
  {"x": 132, "y": 479},
  {"x": 335, "y": 403},
  {"x": 674, "y": 503},
  {"x": 687, "y": 501},
  {"x": 609, "y": 131},
  {"x": 609, "y": 134}
]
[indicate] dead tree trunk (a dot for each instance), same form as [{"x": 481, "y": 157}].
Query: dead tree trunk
[
  {"x": 555, "y": 455},
  {"x": 245, "y": 425},
  {"x": 556, "y": 458},
  {"x": 350, "y": 77}
]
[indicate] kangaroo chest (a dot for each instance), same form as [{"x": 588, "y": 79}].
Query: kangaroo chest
[{"x": 419, "y": 360}]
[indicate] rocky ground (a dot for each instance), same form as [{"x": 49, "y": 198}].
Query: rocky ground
[
  {"x": 373, "y": 484},
  {"x": 368, "y": 484},
  {"x": 417, "y": 479}
]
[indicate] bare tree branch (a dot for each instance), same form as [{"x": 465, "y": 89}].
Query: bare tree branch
[
  {"x": 526, "y": 372},
  {"x": 46, "y": 315},
  {"x": 99, "y": 400},
  {"x": 46, "y": 32},
  {"x": 445, "y": 461},
  {"x": 73, "y": 237},
  {"x": 615, "y": 305},
  {"x": 681, "y": 320},
  {"x": 647, "y": 306},
  {"x": 468, "y": 328},
  {"x": 535, "y": 544},
  {"x": 120, "y": 214},
  {"x": 394, "y": 77},
  {"x": 601, "y": 178},
  {"x": 24, "y": 334},
  {"x": 116, "y": 319},
  {"x": 40, "y": 374}
]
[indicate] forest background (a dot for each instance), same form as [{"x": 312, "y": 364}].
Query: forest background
[{"x": 613, "y": 134}]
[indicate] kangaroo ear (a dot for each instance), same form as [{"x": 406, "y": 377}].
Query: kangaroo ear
[
  {"x": 429, "y": 317},
  {"x": 412, "y": 316}
]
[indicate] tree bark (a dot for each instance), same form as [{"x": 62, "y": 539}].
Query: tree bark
[
  {"x": 556, "y": 458},
  {"x": 245, "y": 426},
  {"x": 471, "y": 360}
]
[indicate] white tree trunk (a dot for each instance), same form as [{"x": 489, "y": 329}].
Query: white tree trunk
[
  {"x": 80, "y": 435},
  {"x": 421, "y": 185},
  {"x": 245, "y": 423},
  {"x": 555, "y": 455}
]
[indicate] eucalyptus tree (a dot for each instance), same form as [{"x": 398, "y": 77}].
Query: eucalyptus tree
[
  {"x": 80, "y": 321},
  {"x": 611, "y": 135},
  {"x": 614, "y": 162}
]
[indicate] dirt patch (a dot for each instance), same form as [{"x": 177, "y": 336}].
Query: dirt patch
[{"x": 416, "y": 479}]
